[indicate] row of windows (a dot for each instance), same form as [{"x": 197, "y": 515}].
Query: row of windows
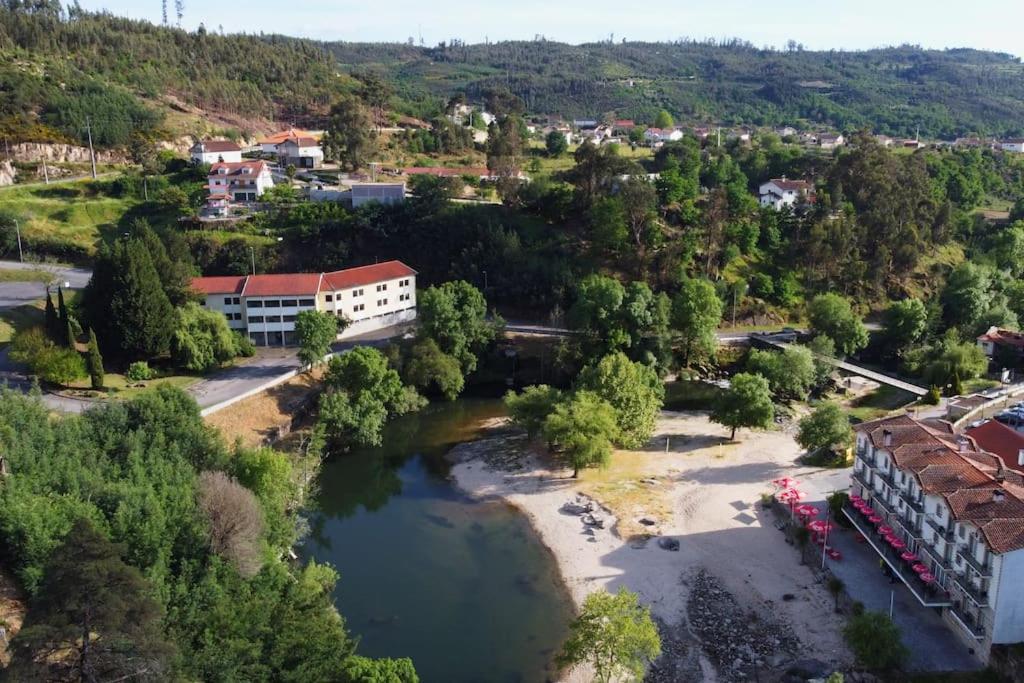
[
  {"x": 403, "y": 283},
  {"x": 233, "y": 316},
  {"x": 382, "y": 288},
  {"x": 271, "y": 319},
  {"x": 231, "y": 300},
  {"x": 382, "y": 302},
  {"x": 358, "y": 307},
  {"x": 404, "y": 297},
  {"x": 286, "y": 303}
]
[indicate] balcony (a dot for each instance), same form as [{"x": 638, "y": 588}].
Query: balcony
[
  {"x": 977, "y": 596},
  {"x": 942, "y": 532},
  {"x": 862, "y": 478},
  {"x": 927, "y": 594},
  {"x": 884, "y": 504},
  {"x": 984, "y": 569},
  {"x": 968, "y": 623},
  {"x": 934, "y": 554},
  {"x": 885, "y": 476},
  {"x": 915, "y": 503},
  {"x": 914, "y": 530}
]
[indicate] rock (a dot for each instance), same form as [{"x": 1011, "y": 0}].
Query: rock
[
  {"x": 788, "y": 597},
  {"x": 646, "y": 521},
  {"x": 667, "y": 543},
  {"x": 809, "y": 668}
]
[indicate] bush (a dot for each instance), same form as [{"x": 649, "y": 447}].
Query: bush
[
  {"x": 933, "y": 396},
  {"x": 875, "y": 641},
  {"x": 139, "y": 371},
  {"x": 246, "y": 348}
]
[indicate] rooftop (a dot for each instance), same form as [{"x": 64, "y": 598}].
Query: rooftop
[
  {"x": 295, "y": 284},
  {"x": 1002, "y": 337},
  {"x": 794, "y": 185},
  {"x": 998, "y": 439},
  {"x": 239, "y": 168},
  {"x": 278, "y": 138},
  {"x": 218, "y": 146}
]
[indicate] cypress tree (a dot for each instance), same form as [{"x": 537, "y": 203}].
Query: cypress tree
[
  {"x": 94, "y": 361},
  {"x": 62, "y": 309},
  {"x": 69, "y": 336},
  {"x": 139, "y": 308},
  {"x": 53, "y": 327}
]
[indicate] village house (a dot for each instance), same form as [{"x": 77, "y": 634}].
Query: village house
[
  {"x": 300, "y": 152},
  {"x": 624, "y": 126},
  {"x": 599, "y": 135},
  {"x": 265, "y": 307},
  {"x": 268, "y": 145},
  {"x": 1012, "y": 145},
  {"x": 956, "y": 514},
  {"x": 212, "y": 151},
  {"x": 241, "y": 181},
  {"x": 998, "y": 343},
  {"x": 830, "y": 141},
  {"x": 779, "y": 192},
  {"x": 884, "y": 140},
  {"x": 786, "y": 131},
  {"x": 659, "y": 136},
  {"x": 382, "y": 193}
]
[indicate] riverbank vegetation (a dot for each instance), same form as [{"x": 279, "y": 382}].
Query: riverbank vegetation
[{"x": 200, "y": 532}]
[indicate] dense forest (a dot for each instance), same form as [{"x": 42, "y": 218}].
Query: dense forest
[{"x": 59, "y": 63}]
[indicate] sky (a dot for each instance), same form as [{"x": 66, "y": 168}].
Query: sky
[{"x": 817, "y": 24}]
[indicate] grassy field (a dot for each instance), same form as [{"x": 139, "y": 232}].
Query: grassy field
[
  {"x": 878, "y": 403},
  {"x": 24, "y": 275},
  {"x": 118, "y": 386},
  {"x": 72, "y": 212},
  {"x": 17, "y": 318}
]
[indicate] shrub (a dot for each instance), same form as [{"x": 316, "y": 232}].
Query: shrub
[
  {"x": 139, "y": 371},
  {"x": 235, "y": 522},
  {"x": 245, "y": 347}
]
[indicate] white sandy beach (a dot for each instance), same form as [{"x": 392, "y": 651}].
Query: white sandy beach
[{"x": 703, "y": 493}]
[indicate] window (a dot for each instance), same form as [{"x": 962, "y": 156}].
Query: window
[
  {"x": 255, "y": 319},
  {"x": 228, "y": 316},
  {"x": 227, "y": 300},
  {"x": 255, "y": 304},
  {"x": 329, "y": 297},
  {"x": 291, "y": 302},
  {"x": 273, "y": 318},
  {"x": 307, "y": 302},
  {"x": 404, "y": 297},
  {"x": 403, "y": 283},
  {"x": 236, "y": 301},
  {"x": 272, "y": 304},
  {"x": 238, "y": 316},
  {"x": 382, "y": 302},
  {"x": 289, "y": 318},
  {"x": 358, "y": 307},
  {"x": 357, "y": 292},
  {"x": 382, "y": 288},
  {"x": 203, "y": 302}
]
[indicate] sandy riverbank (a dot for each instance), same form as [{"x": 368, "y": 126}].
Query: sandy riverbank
[{"x": 702, "y": 493}]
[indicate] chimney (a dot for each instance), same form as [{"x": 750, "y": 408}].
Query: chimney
[
  {"x": 962, "y": 444},
  {"x": 886, "y": 438},
  {"x": 998, "y": 496},
  {"x": 1020, "y": 457}
]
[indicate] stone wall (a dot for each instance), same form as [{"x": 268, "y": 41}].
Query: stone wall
[{"x": 57, "y": 153}]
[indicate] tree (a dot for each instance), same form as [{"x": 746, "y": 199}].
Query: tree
[
  {"x": 234, "y": 521},
  {"x": 967, "y": 295},
  {"x": 349, "y": 136},
  {"x": 454, "y": 315},
  {"x": 905, "y": 323},
  {"x": 824, "y": 353},
  {"x": 9, "y": 232},
  {"x": 790, "y": 372},
  {"x": 746, "y": 403},
  {"x": 94, "y": 362},
  {"x": 315, "y": 331},
  {"x": 67, "y": 336},
  {"x": 696, "y": 313},
  {"x": 55, "y": 329},
  {"x": 59, "y": 365},
  {"x": 835, "y": 587},
  {"x": 202, "y": 339},
  {"x": 584, "y": 427},
  {"x": 832, "y": 315},
  {"x": 607, "y": 219},
  {"x": 349, "y": 421},
  {"x": 365, "y": 670},
  {"x": 530, "y": 408},
  {"x": 949, "y": 361},
  {"x": 633, "y": 390},
  {"x": 875, "y": 641},
  {"x": 97, "y": 613},
  {"x": 614, "y": 634},
  {"x": 430, "y": 368},
  {"x": 664, "y": 120},
  {"x": 555, "y": 144},
  {"x": 825, "y": 427}
]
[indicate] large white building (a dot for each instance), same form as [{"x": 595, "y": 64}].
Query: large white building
[
  {"x": 959, "y": 510},
  {"x": 779, "y": 192},
  {"x": 1012, "y": 145},
  {"x": 654, "y": 136},
  {"x": 301, "y": 151},
  {"x": 242, "y": 181},
  {"x": 265, "y": 307},
  {"x": 212, "y": 151}
]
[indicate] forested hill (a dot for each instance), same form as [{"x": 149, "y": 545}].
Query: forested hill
[
  {"x": 896, "y": 91},
  {"x": 58, "y": 65}
]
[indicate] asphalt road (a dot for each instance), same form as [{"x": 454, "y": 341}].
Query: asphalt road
[{"x": 19, "y": 293}]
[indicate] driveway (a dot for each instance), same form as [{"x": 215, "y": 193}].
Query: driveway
[{"x": 19, "y": 293}]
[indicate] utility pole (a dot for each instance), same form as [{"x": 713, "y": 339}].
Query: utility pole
[
  {"x": 17, "y": 229},
  {"x": 46, "y": 173},
  {"x": 252, "y": 255},
  {"x": 92, "y": 154}
]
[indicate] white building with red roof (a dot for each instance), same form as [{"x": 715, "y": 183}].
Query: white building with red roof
[
  {"x": 265, "y": 307},
  {"x": 779, "y": 192},
  {"x": 301, "y": 151},
  {"x": 212, "y": 151},
  {"x": 956, "y": 512},
  {"x": 996, "y": 339},
  {"x": 242, "y": 181}
]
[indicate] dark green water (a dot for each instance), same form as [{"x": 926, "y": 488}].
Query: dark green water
[{"x": 464, "y": 588}]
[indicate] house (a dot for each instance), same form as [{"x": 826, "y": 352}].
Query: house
[
  {"x": 1004, "y": 344},
  {"x": 242, "y": 181},
  {"x": 996, "y": 438},
  {"x": 623, "y": 126},
  {"x": 830, "y": 141},
  {"x": 884, "y": 140},
  {"x": 957, "y": 511},
  {"x": 264, "y": 307},
  {"x": 599, "y": 135},
  {"x": 212, "y": 151},
  {"x": 584, "y": 123},
  {"x": 786, "y": 131},
  {"x": 910, "y": 143},
  {"x": 701, "y": 133},
  {"x": 779, "y": 192},
  {"x": 1012, "y": 145},
  {"x": 268, "y": 145},
  {"x": 300, "y": 152},
  {"x": 382, "y": 193},
  {"x": 655, "y": 136}
]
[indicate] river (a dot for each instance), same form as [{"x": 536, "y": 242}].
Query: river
[{"x": 462, "y": 587}]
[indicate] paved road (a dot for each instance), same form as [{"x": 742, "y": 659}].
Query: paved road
[{"x": 19, "y": 293}]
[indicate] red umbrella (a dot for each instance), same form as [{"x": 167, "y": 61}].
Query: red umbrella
[
  {"x": 908, "y": 556},
  {"x": 819, "y": 526},
  {"x": 806, "y": 510},
  {"x": 885, "y": 530},
  {"x": 785, "y": 482},
  {"x": 874, "y": 519},
  {"x": 896, "y": 543},
  {"x": 927, "y": 577},
  {"x": 920, "y": 568},
  {"x": 854, "y": 498}
]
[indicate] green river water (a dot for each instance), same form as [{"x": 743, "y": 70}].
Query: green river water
[{"x": 462, "y": 587}]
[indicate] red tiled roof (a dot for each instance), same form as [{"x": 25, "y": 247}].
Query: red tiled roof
[
  {"x": 278, "y": 138},
  {"x": 794, "y": 185},
  {"x": 219, "y": 146},
  {"x": 236, "y": 167},
  {"x": 283, "y": 284},
  {"x": 625, "y": 123},
  {"x": 301, "y": 141},
  {"x": 995, "y": 437},
  {"x": 365, "y": 275},
  {"x": 1003, "y": 337},
  {"x": 225, "y": 284}
]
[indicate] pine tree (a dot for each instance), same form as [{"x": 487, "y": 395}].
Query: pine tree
[
  {"x": 95, "y": 362},
  {"x": 69, "y": 336},
  {"x": 52, "y": 323},
  {"x": 62, "y": 309}
]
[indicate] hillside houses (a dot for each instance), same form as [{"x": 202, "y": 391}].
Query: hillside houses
[
  {"x": 212, "y": 151},
  {"x": 659, "y": 136},
  {"x": 780, "y": 192},
  {"x": 301, "y": 151},
  {"x": 236, "y": 182}
]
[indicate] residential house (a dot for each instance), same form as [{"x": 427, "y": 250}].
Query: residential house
[
  {"x": 212, "y": 151},
  {"x": 268, "y": 145},
  {"x": 265, "y": 307},
  {"x": 599, "y": 135},
  {"x": 830, "y": 141},
  {"x": 624, "y": 126},
  {"x": 973, "y": 142},
  {"x": 1012, "y": 145},
  {"x": 884, "y": 140},
  {"x": 584, "y": 123},
  {"x": 382, "y": 193},
  {"x": 786, "y": 131},
  {"x": 779, "y": 192},
  {"x": 242, "y": 181},
  {"x": 300, "y": 152},
  {"x": 957, "y": 513},
  {"x": 910, "y": 143},
  {"x": 1003, "y": 344},
  {"x": 701, "y": 133},
  {"x": 657, "y": 136},
  {"x": 996, "y": 438}
]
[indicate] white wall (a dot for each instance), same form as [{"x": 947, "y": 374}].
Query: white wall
[{"x": 1009, "y": 600}]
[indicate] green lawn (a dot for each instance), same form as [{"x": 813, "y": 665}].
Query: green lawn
[
  {"x": 117, "y": 385},
  {"x": 18, "y": 318},
  {"x": 878, "y": 403},
  {"x": 690, "y": 395}
]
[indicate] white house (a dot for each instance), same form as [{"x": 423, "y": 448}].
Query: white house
[
  {"x": 830, "y": 141},
  {"x": 786, "y": 131},
  {"x": 301, "y": 152},
  {"x": 382, "y": 193},
  {"x": 1012, "y": 145},
  {"x": 779, "y": 192},
  {"x": 268, "y": 145},
  {"x": 957, "y": 512},
  {"x": 242, "y": 181},
  {"x": 654, "y": 136},
  {"x": 212, "y": 151},
  {"x": 265, "y": 307}
]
